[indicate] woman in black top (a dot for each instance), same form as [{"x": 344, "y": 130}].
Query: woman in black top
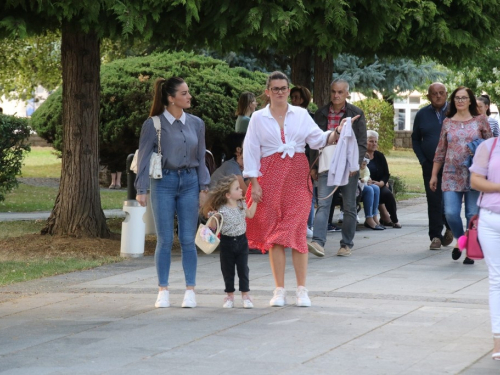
[{"x": 379, "y": 175}]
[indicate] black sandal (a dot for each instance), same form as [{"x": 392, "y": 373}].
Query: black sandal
[{"x": 386, "y": 223}]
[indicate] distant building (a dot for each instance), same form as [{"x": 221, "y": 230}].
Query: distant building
[{"x": 23, "y": 108}]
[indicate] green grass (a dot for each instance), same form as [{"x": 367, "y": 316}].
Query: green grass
[
  {"x": 19, "y": 228},
  {"x": 41, "y": 162},
  {"x": 404, "y": 163},
  {"x": 17, "y": 271},
  {"x": 27, "y": 198}
]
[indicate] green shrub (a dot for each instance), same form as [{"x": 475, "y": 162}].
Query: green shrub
[
  {"x": 379, "y": 117},
  {"x": 14, "y": 133},
  {"x": 126, "y": 95},
  {"x": 399, "y": 186}
]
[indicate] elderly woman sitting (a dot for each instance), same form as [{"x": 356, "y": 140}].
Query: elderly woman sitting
[{"x": 379, "y": 174}]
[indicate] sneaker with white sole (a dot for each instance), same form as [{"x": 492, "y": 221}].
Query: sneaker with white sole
[
  {"x": 189, "y": 299},
  {"x": 279, "y": 298},
  {"x": 309, "y": 233},
  {"x": 163, "y": 299},
  {"x": 247, "y": 302},
  {"x": 302, "y": 297},
  {"x": 316, "y": 249},
  {"x": 228, "y": 302}
]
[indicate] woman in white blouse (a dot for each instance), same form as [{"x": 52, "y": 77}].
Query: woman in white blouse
[{"x": 279, "y": 173}]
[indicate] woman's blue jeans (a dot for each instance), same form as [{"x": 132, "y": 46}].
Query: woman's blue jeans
[
  {"x": 453, "y": 207},
  {"x": 177, "y": 192},
  {"x": 370, "y": 196}
]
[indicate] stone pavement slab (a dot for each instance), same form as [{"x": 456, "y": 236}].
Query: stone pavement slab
[{"x": 393, "y": 307}]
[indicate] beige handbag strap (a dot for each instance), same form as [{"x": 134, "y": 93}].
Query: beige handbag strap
[
  {"x": 157, "y": 124},
  {"x": 310, "y": 169},
  {"x": 219, "y": 226}
]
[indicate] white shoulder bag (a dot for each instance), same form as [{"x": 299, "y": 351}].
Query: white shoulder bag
[{"x": 155, "y": 163}]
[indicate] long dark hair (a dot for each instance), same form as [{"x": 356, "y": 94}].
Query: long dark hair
[
  {"x": 485, "y": 99},
  {"x": 246, "y": 98},
  {"x": 472, "y": 106},
  {"x": 162, "y": 90},
  {"x": 304, "y": 93}
]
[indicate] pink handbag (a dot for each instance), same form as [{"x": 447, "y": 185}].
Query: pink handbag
[{"x": 472, "y": 244}]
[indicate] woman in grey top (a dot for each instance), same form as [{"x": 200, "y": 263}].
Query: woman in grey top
[
  {"x": 246, "y": 106},
  {"x": 183, "y": 185}
]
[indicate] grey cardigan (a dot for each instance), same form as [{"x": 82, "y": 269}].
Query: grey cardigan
[{"x": 182, "y": 146}]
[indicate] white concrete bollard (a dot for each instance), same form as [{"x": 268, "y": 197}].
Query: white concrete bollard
[
  {"x": 133, "y": 230},
  {"x": 149, "y": 218}
]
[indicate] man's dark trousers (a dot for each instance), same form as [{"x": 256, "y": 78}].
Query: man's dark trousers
[{"x": 435, "y": 209}]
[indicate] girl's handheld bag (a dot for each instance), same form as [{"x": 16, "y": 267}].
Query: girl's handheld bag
[
  {"x": 470, "y": 240},
  {"x": 207, "y": 240}
]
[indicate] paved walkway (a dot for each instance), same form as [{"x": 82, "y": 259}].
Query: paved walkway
[{"x": 393, "y": 307}]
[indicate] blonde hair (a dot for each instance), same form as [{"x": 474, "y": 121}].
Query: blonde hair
[{"x": 217, "y": 195}]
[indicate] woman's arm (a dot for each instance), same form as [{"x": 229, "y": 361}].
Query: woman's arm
[
  {"x": 202, "y": 170},
  {"x": 256, "y": 190},
  {"x": 480, "y": 183}
]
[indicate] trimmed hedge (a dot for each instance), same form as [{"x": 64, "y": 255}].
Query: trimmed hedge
[
  {"x": 126, "y": 96},
  {"x": 14, "y": 133},
  {"x": 379, "y": 117}
]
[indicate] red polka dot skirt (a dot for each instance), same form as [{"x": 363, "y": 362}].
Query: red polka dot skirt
[{"x": 281, "y": 217}]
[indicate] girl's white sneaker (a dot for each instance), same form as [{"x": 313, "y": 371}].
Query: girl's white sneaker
[
  {"x": 247, "y": 302},
  {"x": 228, "y": 303}
]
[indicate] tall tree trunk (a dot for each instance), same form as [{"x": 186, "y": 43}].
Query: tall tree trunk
[
  {"x": 77, "y": 210},
  {"x": 323, "y": 72},
  {"x": 301, "y": 68}
]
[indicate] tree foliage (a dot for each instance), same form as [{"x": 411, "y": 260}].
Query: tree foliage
[
  {"x": 388, "y": 76},
  {"x": 126, "y": 95},
  {"x": 29, "y": 62},
  {"x": 14, "y": 133}
]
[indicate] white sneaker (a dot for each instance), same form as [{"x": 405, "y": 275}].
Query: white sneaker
[
  {"x": 189, "y": 299},
  {"x": 247, "y": 302},
  {"x": 228, "y": 303},
  {"x": 163, "y": 299},
  {"x": 341, "y": 217},
  {"x": 302, "y": 297},
  {"x": 279, "y": 298},
  {"x": 309, "y": 233}
]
